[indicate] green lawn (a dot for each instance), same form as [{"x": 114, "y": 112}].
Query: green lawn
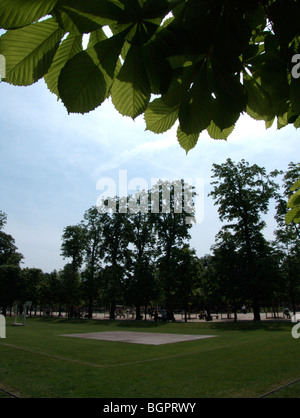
[{"x": 245, "y": 360}]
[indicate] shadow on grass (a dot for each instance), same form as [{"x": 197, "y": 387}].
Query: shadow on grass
[
  {"x": 251, "y": 326},
  {"x": 221, "y": 326},
  {"x": 105, "y": 322}
]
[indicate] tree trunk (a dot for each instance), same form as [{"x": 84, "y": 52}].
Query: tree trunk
[
  {"x": 90, "y": 308},
  {"x": 112, "y": 310},
  {"x": 138, "y": 315},
  {"x": 256, "y": 311}
]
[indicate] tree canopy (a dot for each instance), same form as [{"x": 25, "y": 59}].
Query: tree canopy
[
  {"x": 293, "y": 215},
  {"x": 140, "y": 258},
  {"x": 203, "y": 63},
  {"x": 242, "y": 193}
]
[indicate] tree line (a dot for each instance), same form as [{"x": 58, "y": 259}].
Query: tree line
[{"x": 141, "y": 258}]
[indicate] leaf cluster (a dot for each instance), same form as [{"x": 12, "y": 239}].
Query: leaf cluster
[
  {"x": 201, "y": 63},
  {"x": 293, "y": 215}
]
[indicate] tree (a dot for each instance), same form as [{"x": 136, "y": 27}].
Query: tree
[
  {"x": 70, "y": 288},
  {"x": 204, "y": 62},
  {"x": 73, "y": 246},
  {"x": 228, "y": 270},
  {"x": 3, "y": 219},
  {"x": 172, "y": 231},
  {"x": 209, "y": 288},
  {"x": 8, "y": 249},
  {"x": 287, "y": 233},
  {"x": 242, "y": 193},
  {"x": 11, "y": 286},
  {"x": 186, "y": 277},
  {"x": 34, "y": 280},
  {"x": 293, "y": 215},
  {"x": 141, "y": 282},
  {"x": 115, "y": 257},
  {"x": 92, "y": 226}
]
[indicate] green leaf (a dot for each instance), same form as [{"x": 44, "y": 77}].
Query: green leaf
[
  {"x": 295, "y": 94},
  {"x": 278, "y": 89},
  {"x": 29, "y": 51},
  {"x": 285, "y": 17},
  {"x": 295, "y": 186},
  {"x": 71, "y": 46},
  {"x": 176, "y": 91},
  {"x": 258, "y": 18},
  {"x": 159, "y": 117},
  {"x": 151, "y": 9},
  {"x": 195, "y": 112},
  {"x": 297, "y": 122},
  {"x": 259, "y": 104},
  {"x": 269, "y": 123},
  {"x": 96, "y": 36},
  {"x": 294, "y": 203},
  {"x": 230, "y": 97},
  {"x": 293, "y": 215},
  {"x": 282, "y": 120},
  {"x": 142, "y": 32},
  {"x": 130, "y": 91},
  {"x": 77, "y": 23},
  {"x": 187, "y": 142},
  {"x": 229, "y": 90},
  {"x": 294, "y": 200},
  {"x": 79, "y": 16},
  {"x": 158, "y": 69},
  {"x": 109, "y": 50},
  {"x": 216, "y": 133},
  {"x": 82, "y": 85},
  {"x": 17, "y": 13},
  {"x": 223, "y": 115},
  {"x": 138, "y": 10}
]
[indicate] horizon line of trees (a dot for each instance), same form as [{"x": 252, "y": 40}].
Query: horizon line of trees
[{"x": 139, "y": 258}]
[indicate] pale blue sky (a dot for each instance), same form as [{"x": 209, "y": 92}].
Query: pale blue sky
[{"x": 50, "y": 163}]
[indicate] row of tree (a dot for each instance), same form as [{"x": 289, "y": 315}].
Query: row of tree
[{"x": 139, "y": 258}]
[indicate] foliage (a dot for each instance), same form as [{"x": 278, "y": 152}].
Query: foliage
[
  {"x": 74, "y": 244},
  {"x": 34, "y": 282},
  {"x": 243, "y": 193},
  {"x": 70, "y": 285},
  {"x": 11, "y": 285},
  {"x": 228, "y": 268},
  {"x": 201, "y": 62},
  {"x": 8, "y": 249},
  {"x": 3, "y": 219},
  {"x": 140, "y": 255},
  {"x": 293, "y": 215},
  {"x": 287, "y": 238},
  {"x": 141, "y": 286}
]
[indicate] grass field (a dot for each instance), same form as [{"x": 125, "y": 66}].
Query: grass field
[{"x": 244, "y": 360}]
